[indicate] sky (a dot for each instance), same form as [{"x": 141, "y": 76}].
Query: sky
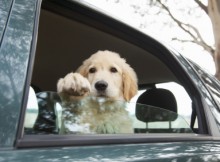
[{"x": 159, "y": 26}]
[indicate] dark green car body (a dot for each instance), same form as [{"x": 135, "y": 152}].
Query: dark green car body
[
  {"x": 18, "y": 37},
  {"x": 16, "y": 44}
]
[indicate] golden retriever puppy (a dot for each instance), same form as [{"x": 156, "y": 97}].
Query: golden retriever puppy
[{"x": 92, "y": 97}]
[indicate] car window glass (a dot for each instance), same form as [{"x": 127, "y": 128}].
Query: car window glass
[
  {"x": 212, "y": 84},
  {"x": 48, "y": 119}
]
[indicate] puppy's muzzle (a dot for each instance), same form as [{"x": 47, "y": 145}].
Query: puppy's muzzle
[{"x": 101, "y": 85}]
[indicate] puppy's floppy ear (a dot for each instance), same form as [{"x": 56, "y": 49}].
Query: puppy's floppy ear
[
  {"x": 83, "y": 68},
  {"x": 130, "y": 87}
]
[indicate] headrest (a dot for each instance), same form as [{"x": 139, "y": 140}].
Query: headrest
[{"x": 163, "y": 101}]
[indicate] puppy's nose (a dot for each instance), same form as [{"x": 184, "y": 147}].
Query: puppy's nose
[{"x": 101, "y": 85}]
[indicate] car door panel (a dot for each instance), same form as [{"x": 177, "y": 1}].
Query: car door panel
[{"x": 177, "y": 151}]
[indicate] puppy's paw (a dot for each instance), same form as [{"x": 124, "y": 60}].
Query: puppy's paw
[{"x": 74, "y": 84}]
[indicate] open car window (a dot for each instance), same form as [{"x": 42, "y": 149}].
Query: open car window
[
  {"x": 48, "y": 115},
  {"x": 71, "y": 30}
]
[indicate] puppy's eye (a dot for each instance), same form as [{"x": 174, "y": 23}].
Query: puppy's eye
[
  {"x": 92, "y": 70},
  {"x": 113, "y": 70}
]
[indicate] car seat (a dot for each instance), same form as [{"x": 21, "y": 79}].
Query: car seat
[{"x": 156, "y": 105}]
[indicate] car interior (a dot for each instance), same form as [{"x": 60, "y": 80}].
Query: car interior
[{"x": 69, "y": 33}]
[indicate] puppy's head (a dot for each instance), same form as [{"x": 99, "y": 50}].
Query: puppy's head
[{"x": 110, "y": 76}]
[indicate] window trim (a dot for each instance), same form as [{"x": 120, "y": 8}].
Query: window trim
[
  {"x": 82, "y": 140},
  {"x": 20, "y": 129}
]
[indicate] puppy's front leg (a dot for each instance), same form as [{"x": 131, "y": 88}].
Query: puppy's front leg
[
  {"x": 73, "y": 86},
  {"x": 72, "y": 89}
]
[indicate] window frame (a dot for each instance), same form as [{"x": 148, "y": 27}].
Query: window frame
[
  {"x": 99, "y": 21},
  {"x": 20, "y": 128}
]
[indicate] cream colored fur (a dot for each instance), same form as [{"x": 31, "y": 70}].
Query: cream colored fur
[{"x": 89, "y": 110}]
